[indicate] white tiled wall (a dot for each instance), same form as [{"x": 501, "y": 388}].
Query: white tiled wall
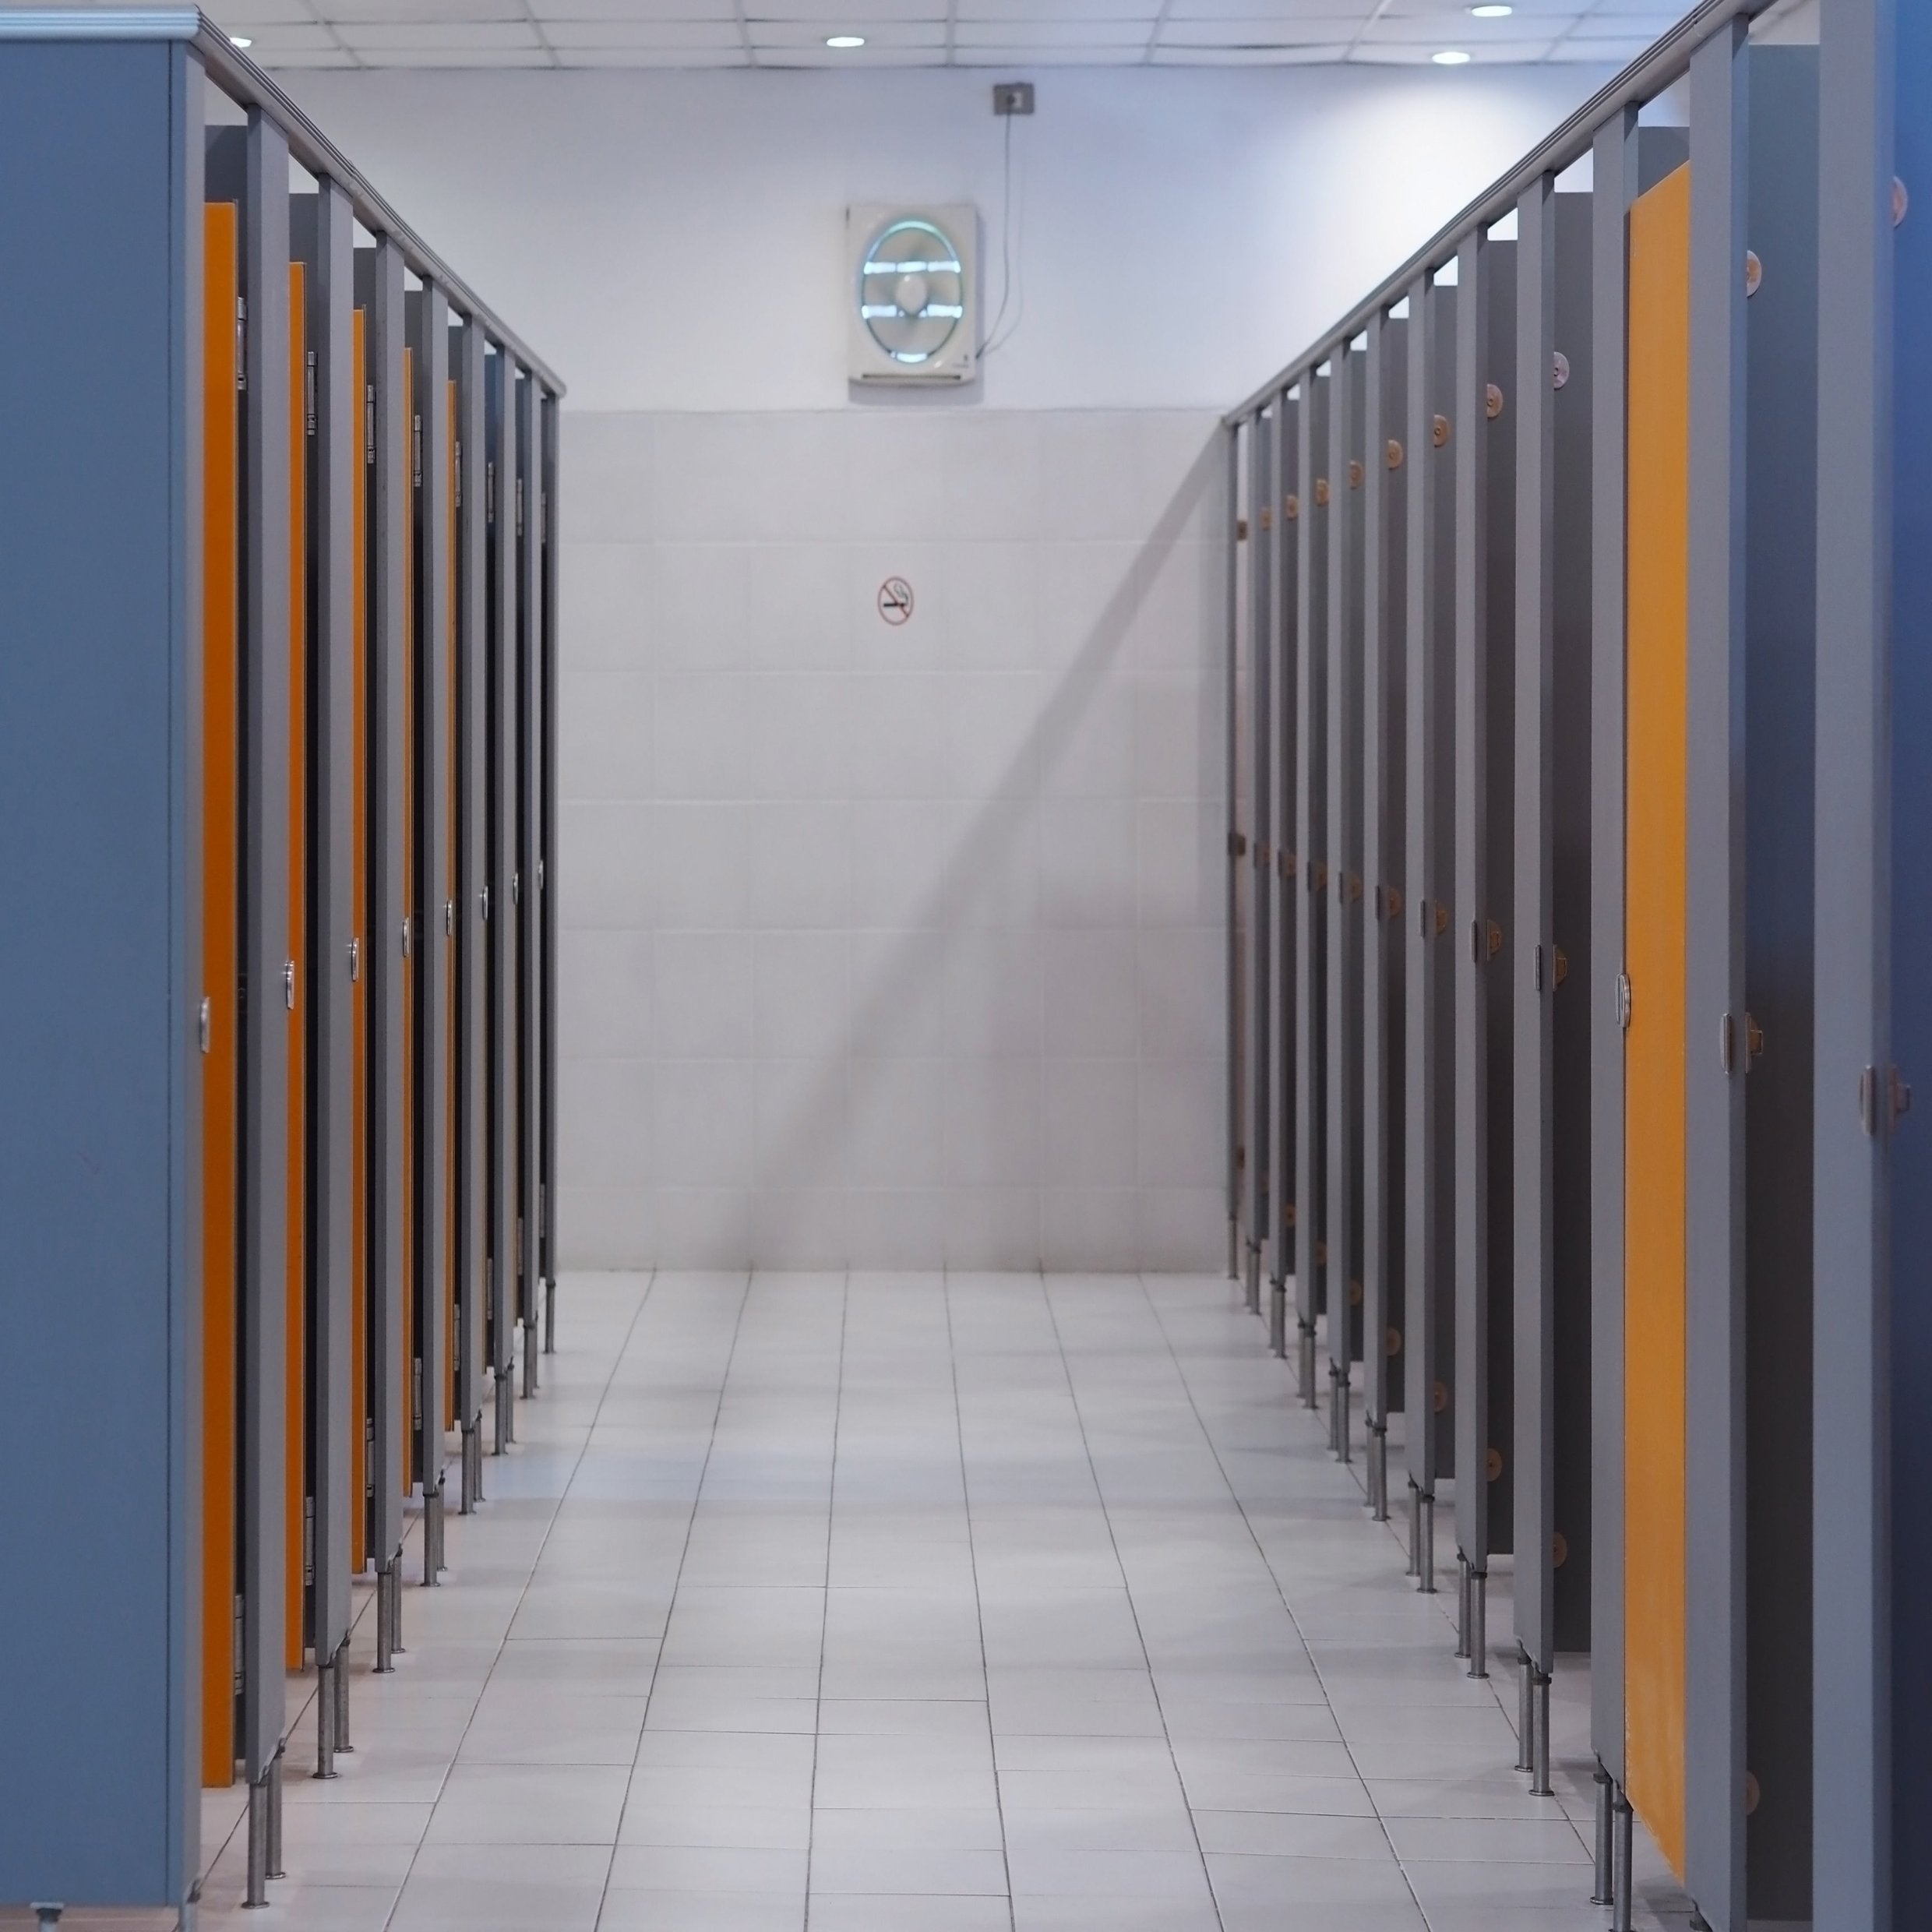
[{"x": 892, "y": 946}]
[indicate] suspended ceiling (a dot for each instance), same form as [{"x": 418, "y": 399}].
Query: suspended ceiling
[{"x": 1010, "y": 33}]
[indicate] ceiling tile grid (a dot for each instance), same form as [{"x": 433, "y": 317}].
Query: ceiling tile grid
[{"x": 563, "y": 33}]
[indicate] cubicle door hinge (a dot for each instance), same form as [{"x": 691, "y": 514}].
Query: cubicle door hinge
[
  {"x": 540, "y": 877},
  {"x": 1726, "y": 1042},
  {"x": 406, "y": 925},
  {"x": 449, "y": 917},
  {"x": 308, "y": 392},
  {"x": 356, "y": 959},
  {"x": 309, "y": 1539},
  {"x": 1475, "y": 942},
  {"x": 1537, "y": 973},
  {"x": 543, "y": 516},
  {"x": 489, "y": 490},
  {"x": 241, "y": 342},
  {"x": 483, "y": 904},
  {"x": 369, "y": 423},
  {"x": 1623, "y": 1001},
  {"x": 516, "y": 888},
  {"x": 415, "y": 452},
  {"x": 519, "y": 506},
  {"x": 241, "y": 1625},
  {"x": 288, "y": 985}
]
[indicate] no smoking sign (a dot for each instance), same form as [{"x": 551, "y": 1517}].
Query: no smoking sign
[{"x": 895, "y": 601}]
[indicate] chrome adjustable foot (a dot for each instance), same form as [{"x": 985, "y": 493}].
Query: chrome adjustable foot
[
  {"x": 276, "y": 1868},
  {"x": 257, "y": 1880},
  {"x": 1601, "y": 1896},
  {"x": 1620, "y": 1862},
  {"x": 1277, "y": 1320},
  {"x": 385, "y": 1617},
  {"x": 327, "y": 1671},
  {"x": 1540, "y": 1784}
]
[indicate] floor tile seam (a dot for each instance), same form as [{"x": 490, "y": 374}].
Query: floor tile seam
[
  {"x": 818, "y": 1699},
  {"x": 616, "y": 1359},
  {"x": 744, "y": 1296},
  {"x": 979, "y": 1612},
  {"x": 1133, "y": 1609},
  {"x": 1328, "y": 1699}
]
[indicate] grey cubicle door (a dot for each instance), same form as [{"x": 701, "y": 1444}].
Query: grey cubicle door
[
  {"x": 529, "y": 835},
  {"x": 467, "y": 347},
  {"x": 1311, "y": 634},
  {"x": 1258, "y": 1014},
  {"x": 323, "y": 238},
  {"x": 1429, "y": 866},
  {"x": 501, "y": 916},
  {"x": 1382, "y": 771},
  {"x": 1342, "y": 730},
  {"x": 1485, "y": 685},
  {"x": 550, "y": 425},
  {"x": 1279, "y": 832}
]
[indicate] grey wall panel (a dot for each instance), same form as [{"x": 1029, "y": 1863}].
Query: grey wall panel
[
  {"x": 1342, "y": 726},
  {"x": 250, "y": 164},
  {"x": 1533, "y": 978},
  {"x": 100, "y": 866},
  {"x": 472, "y": 1016},
  {"x": 434, "y": 915},
  {"x": 1256, "y": 1009},
  {"x": 1875, "y": 60},
  {"x": 324, "y": 231},
  {"x": 379, "y": 283},
  {"x": 1310, "y": 842},
  {"x": 1385, "y": 561},
  {"x": 1714, "y": 1102}
]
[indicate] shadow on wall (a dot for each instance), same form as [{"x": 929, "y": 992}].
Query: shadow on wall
[{"x": 796, "y": 1160}]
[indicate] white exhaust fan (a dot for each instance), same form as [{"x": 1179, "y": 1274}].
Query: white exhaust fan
[{"x": 913, "y": 288}]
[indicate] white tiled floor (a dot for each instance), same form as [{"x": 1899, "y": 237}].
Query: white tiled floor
[{"x": 926, "y": 1604}]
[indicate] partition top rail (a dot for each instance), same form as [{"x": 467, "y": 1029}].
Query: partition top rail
[
  {"x": 1645, "y": 78},
  {"x": 248, "y": 84}
]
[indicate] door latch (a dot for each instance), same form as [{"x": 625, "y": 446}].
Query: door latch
[
  {"x": 207, "y": 1024},
  {"x": 355, "y": 960},
  {"x": 288, "y": 985}
]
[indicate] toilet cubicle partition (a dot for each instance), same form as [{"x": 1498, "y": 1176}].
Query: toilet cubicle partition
[
  {"x": 229, "y": 367},
  {"x": 1641, "y": 1078}
]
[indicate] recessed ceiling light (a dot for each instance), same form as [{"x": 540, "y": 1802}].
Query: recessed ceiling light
[
  {"x": 1492, "y": 10},
  {"x": 844, "y": 40},
  {"x": 240, "y": 40},
  {"x": 1451, "y": 57}
]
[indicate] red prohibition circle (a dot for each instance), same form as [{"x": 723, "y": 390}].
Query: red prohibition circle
[{"x": 895, "y": 601}]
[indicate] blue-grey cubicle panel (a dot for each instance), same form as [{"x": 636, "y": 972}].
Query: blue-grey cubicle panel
[{"x": 100, "y": 954}]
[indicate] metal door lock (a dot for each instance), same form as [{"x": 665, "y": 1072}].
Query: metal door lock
[
  {"x": 207, "y": 1026},
  {"x": 483, "y": 898},
  {"x": 355, "y": 960},
  {"x": 405, "y": 938},
  {"x": 288, "y": 985},
  {"x": 449, "y": 917}
]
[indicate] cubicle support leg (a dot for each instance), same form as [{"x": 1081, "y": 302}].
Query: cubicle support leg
[
  {"x": 1426, "y": 1559},
  {"x": 1462, "y": 1605},
  {"x": 500, "y": 1382},
  {"x": 432, "y": 1536},
  {"x": 1234, "y": 1249},
  {"x": 326, "y": 1675},
  {"x": 531, "y": 1350},
  {"x": 387, "y": 1577},
  {"x": 1478, "y": 1622},
  {"x": 472, "y": 1491},
  {"x": 1620, "y": 1862},
  {"x": 1378, "y": 1479},
  {"x": 1342, "y": 1405},
  {"x": 1277, "y": 1320},
  {"x": 257, "y": 1892},
  {"x": 1306, "y": 1364},
  {"x": 1415, "y": 1529},
  {"x": 550, "y": 1316},
  {"x": 1254, "y": 1278},
  {"x": 342, "y": 1743},
  {"x": 1601, "y": 1896},
  {"x": 273, "y": 1778},
  {"x": 1539, "y": 1785},
  {"x": 1526, "y": 1720}
]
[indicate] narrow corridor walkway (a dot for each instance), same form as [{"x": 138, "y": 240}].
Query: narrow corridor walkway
[{"x": 990, "y": 1603}]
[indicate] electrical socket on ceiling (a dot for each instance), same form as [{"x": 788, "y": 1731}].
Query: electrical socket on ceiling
[{"x": 1013, "y": 97}]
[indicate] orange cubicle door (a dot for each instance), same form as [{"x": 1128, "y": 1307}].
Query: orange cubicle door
[
  {"x": 407, "y": 671},
  {"x": 451, "y": 753},
  {"x": 220, "y": 940},
  {"x": 1656, "y": 920}
]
